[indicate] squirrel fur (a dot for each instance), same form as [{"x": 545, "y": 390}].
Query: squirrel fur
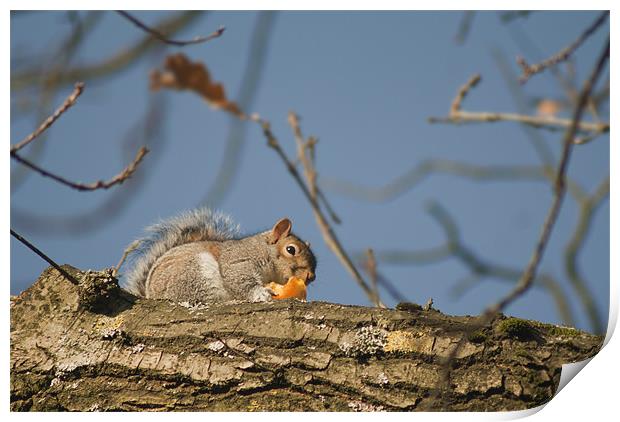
[{"x": 200, "y": 257}]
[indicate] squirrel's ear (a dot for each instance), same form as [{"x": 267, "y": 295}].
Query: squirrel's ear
[{"x": 281, "y": 229}]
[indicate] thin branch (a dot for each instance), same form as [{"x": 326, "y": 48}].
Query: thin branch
[
  {"x": 458, "y": 116},
  {"x": 562, "y": 55},
  {"x": 455, "y": 107},
  {"x": 536, "y": 139},
  {"x": 420, "y": 172},
  {"x": 390, "y": 289},
  {"x": 45, "y": 257},
  {"x": 371, "y": 268},
  {"x": 310, "y": 191},
  {"x": 165, "y": 39},
  {"x": 587, "y": 209},
  {"x": 99, "y": 184},
  {"x": 69, "y": 102},
  {"x": 544, "y": 122},
  {"x": 309, "y": 164}
]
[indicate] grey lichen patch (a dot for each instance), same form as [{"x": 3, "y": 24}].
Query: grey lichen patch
[
  {"x": 365, "y": 341},
  {"x": 96, "y": 288},
  {"x": 216, "y": 346}
]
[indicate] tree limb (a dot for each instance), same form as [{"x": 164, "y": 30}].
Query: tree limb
[
  {"x": 113, "y": 351},
  {"x": 161, "y": 37},
  {"x": 562, "y": 55}
]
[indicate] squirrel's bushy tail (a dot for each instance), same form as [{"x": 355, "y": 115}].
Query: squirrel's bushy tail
[{"x": 191, "y": 226}]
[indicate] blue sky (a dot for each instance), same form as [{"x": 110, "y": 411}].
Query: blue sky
[{"x": 364, "y": 83}]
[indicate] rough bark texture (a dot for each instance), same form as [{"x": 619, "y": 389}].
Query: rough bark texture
[{"x": 95, "y": 347}]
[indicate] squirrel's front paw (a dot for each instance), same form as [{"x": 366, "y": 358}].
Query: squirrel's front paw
[{"x": 261, "y": 294}]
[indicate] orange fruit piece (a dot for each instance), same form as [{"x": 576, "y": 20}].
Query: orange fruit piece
[{"x": 294, "y": 287}]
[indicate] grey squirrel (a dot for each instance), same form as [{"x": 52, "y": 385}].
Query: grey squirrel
[{"x": 199, "y": 257}]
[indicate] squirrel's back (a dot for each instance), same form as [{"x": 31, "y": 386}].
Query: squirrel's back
[{"x": 192, "y": 226}]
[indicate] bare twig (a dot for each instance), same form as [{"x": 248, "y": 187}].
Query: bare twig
[
  {"x": 562, "y": 55},
  {"x": 371, "y": 268},
  {"x": 587, "y": 209},
  {"x": 458, "y": 116},
  {"x": 527, "y": 279},
  {"x": 307, "y": 162},
  {"x": 71, "y": 99},
  {"x": 165, "y": 39},
  {"x": 99, "y": 184},
  {"x": 132, "y": 247},
  {"x": 455, "y": 107},
  {"x": 536, "y": 139},
  {"x": 545, "y": 122},
  {"x": 310, "y": 191},
  {"x": 45, "y": 257},
  {"x": 427, "y": 168}
]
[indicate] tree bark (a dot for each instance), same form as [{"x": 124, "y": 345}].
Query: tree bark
[{"x": 94, "y": 346}]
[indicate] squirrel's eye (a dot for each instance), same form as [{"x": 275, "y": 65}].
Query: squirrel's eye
[{"x": 291, "y": 249}]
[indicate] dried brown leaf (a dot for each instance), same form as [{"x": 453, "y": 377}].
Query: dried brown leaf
[{"x": 181, "y": 73}]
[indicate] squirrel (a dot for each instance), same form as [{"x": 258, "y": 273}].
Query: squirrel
[{"x": 199, "y": 257}]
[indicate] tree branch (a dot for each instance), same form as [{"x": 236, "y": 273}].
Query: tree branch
[
  {"x": 310, "y": 191},
  {"x": 458, "y": 116},
  {"x": 544, "y": 122},
  {"x": 165, "y": 39},
  {"x": 44, "y": 257},
  {"x": 99, "y": 184},
  {"x": 68, "y": 103},
  {"x": 587, "y": 209},
  {"x": 562, "y": 55}
]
